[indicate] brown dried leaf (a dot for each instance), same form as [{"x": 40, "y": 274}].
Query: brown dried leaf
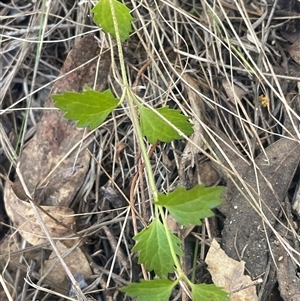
[
  {"x": 53, "y": 165},
  {"x": 229, "y": 274},
  {"x": 75, "y": 261},
  {"x": 243, "y": 228},
  {"x": 52, "y": 169},
  {"x": 22, "y": 215}
]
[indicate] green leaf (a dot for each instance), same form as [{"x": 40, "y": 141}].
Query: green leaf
[
  {"x": 155, "y": 128},
  {"x": 153, "y": 290},
  {"x": 152, "y": 243},
  {"x": 103, "y": 16},
  {"x": 89, "y": 108},
  {"x": 208, "y": 292},
  {"x": 189, "y": 206}
]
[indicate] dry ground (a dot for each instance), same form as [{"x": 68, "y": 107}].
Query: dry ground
[{"x": 233, "y": 66}]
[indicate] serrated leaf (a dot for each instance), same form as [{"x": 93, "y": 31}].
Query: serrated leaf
[
  {"x": 155, "y": 128},
  {"x": 208, "y": 292},
  {"x": 189, "y": 206},
  {"x": 103, "y": 16},
  {"x": 89, "y": 108},
  {"x": 152, "y": 243},
  {"x": 153, "y": 290}
]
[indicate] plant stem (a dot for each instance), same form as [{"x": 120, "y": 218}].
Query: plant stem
[{"x": 131, "y": 98}]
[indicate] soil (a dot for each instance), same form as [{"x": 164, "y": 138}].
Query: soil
[{"x": 234, "y": 71}]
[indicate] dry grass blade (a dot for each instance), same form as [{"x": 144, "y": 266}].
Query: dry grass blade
[{"x": 229, "y": 65}]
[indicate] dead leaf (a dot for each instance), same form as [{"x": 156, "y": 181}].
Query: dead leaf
[
  {"x": 52, "y": 167},
  {"x": 244, "y": 231},
  {"x": 54, "y": 164},
  {"x": 22, "y": 215},
  {"x": 56, "y": 136},
  {"x": 229, "y": 274},
  {"x": 75, "y": 261}
]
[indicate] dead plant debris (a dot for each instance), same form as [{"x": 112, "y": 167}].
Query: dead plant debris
[{"x": 233, "y": 66}]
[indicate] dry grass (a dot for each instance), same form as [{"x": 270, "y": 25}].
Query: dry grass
[{"x": 219, "y": 56}]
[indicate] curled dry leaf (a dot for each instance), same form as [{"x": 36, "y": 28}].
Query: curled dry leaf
[
  {"x": 75, "y": 261},
  {"x": 23, "y": 216},
  {"x": 229, "y": 274}
]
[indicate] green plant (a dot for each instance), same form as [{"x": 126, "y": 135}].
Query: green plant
[{"x": 158, "y": 247}]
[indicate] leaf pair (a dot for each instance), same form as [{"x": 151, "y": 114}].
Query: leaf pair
[
  {"x": 161, "y": 289},
  {"x": 186, "y": 207},
  {"x": 91, "y": 108}
]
